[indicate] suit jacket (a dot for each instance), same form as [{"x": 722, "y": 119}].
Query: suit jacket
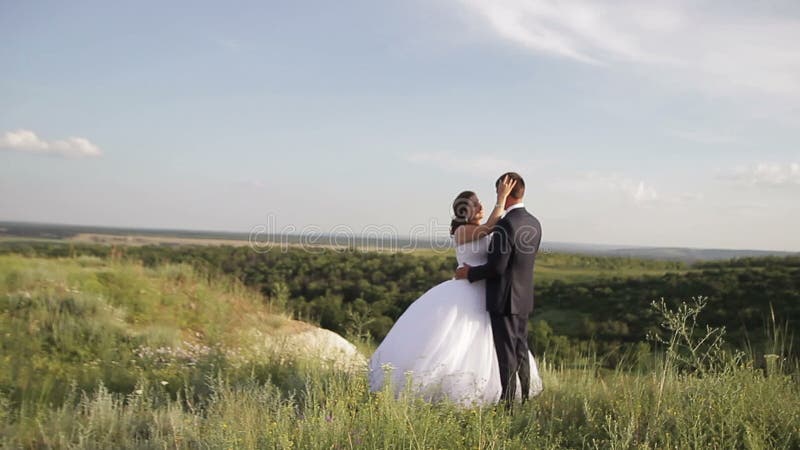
[{"x": 509, "y": 269}]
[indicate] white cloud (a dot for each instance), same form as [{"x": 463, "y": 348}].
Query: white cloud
[
  {"x": 642, "y": 192},
  {"x": 632, "y": 191},
  {"x": 636, "y": 191},
  {"x": 701, "y": 43},
  {"x": 480, "y": 166},
  {"x": 28, "y": 141},
  {"x": 766, "y": 174}
]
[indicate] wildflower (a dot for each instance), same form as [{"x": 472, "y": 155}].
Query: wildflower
[
  {"x": 164, "y": 383},
  {"x": 138, "y": 392}
]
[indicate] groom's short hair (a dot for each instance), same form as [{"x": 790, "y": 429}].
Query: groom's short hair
[{"x": 519, "y": 188}]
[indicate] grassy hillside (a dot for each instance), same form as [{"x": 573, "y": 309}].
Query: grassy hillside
[
  {"x": 84, "y": 320},
  {"x": 103, "y": 353}
]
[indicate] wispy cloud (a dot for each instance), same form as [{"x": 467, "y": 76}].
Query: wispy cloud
[
  {"x": 765, "y": 174},
  {"x": 636, "y": 191},
  {"x": 702, "y": 43},
  {"x": 633, "y": 191},
  {"x": 477, "y": 165},
  {"x": 27, "y": 141}
]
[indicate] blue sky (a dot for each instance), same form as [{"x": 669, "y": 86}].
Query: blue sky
[{"x": 636, "y": 123}]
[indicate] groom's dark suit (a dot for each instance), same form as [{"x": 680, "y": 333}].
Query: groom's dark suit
[{"x": 509, "y": 294}]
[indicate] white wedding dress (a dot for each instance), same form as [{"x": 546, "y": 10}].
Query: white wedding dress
[{"x": 442, "y": 344}]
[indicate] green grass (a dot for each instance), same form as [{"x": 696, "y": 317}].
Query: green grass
[
  {"x": 29, "y": 239},
  {"x": 85, "y": 320},
  {"x": 579, "y": 268},
  {"x": 739, "y": 408},
  {"x": 87, "y": 345}
]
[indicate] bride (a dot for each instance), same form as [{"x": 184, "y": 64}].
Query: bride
[{"x": 441, "y": 347}]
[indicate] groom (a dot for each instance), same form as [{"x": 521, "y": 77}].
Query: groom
[{"x": 509, "y": 287}]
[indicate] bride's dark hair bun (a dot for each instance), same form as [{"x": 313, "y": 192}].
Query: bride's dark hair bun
[{"x": 462, "y": 210}]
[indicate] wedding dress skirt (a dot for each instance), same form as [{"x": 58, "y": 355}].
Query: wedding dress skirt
[{"x": 441, "y": 347}]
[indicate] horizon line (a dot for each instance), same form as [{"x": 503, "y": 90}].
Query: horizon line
[{"x": 246, "y": 234}]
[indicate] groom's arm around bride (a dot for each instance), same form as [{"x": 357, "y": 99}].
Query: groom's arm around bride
[{"x": 496, "y": 265}]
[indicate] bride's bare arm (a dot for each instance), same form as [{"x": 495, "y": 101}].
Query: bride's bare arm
[{"x": 470, "y": 232}]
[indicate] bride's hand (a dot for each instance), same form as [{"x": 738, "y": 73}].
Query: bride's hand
[{"x": 504, "y": 189}]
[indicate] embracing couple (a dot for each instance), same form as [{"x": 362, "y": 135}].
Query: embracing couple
[{"x": 466, "y": 339}]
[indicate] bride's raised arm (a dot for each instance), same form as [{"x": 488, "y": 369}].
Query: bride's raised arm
[{"x": 470, "y": 232}]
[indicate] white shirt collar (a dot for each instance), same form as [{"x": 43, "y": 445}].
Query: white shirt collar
[{"x": 514, "y": 206}]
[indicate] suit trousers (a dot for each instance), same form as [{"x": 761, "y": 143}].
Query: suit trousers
[{"x": 510, "y": 334}]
